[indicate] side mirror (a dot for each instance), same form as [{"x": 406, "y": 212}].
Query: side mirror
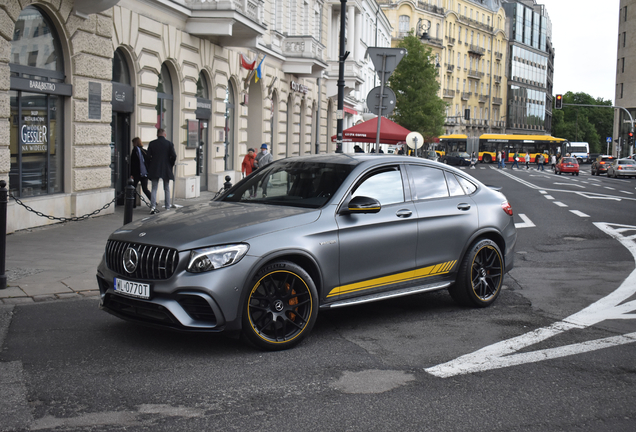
[{"x": 362, "y": 204}]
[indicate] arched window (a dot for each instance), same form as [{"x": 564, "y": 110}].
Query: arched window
[
  {"x": 165, "y": 101},
  {"x": 405, "y": 25},
  {"x": 121, "y": 74},
  {"x": 36, "y": 102}
]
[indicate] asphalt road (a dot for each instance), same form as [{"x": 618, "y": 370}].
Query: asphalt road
[{"x": 554, "y": 353}]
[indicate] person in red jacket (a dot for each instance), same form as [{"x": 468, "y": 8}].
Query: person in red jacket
[{"x": 248, "y": 166}]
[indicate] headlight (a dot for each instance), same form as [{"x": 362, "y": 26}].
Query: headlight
[{"x": 202, "y": 260}]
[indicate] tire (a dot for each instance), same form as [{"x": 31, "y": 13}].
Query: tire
[
  {"x": 577, "y": 173},
  {"x": 281, "y": 307},
  {"x": 445, "y": 161},
  {"x": 480, "y": 275},
  {"x": 486, "y": 158}
]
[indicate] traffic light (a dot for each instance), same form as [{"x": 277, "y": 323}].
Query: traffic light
[
  {"x": 630, "y": 139},
  {"x": 558, "y": 102}
]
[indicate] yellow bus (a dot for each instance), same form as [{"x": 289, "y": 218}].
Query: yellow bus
[
  {"x": 451, "y": 143},
  {"x": 535, "y": 145}
]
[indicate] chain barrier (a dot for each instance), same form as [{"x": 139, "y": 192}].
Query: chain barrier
[{"x": 65, "y": 219}]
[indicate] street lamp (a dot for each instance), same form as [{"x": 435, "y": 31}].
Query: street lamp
[{"x": 421, "y": 30}]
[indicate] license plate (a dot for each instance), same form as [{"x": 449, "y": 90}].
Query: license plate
[{"x": 132, "y": 289}]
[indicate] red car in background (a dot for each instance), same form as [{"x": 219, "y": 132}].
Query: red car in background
[{"x": 567, "y": 165}]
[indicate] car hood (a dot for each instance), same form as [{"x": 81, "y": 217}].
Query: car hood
[{"x": 213, "y": 223}]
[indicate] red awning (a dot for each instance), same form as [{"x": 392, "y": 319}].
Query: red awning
[
  {"x": 390, "y": 132},
  {"x": 350, "y": 111}
]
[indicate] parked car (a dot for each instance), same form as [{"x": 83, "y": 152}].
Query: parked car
[
  {"x": 567, "y": 165},
  {"x": 456, "y": 158},
  {"x": 622, "y": 168},
  {"x": 430, "y": 155},
  {"x": 599, "y": 166},
  {"x": 332, "y": 231}
]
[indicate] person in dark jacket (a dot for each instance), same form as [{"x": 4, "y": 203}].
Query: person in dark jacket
[
  {"x": 138, "y": 166},
  {"x": 161, "y": 159}
]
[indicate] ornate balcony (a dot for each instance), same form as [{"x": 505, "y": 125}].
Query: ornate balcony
[
  {"x": 496, "y": 101},
  {"x": 450, "y": 40},
  {"x": 450, "y": 68},
  {"x": 304, "y": 56},
  {"x": 466, "y": 95},
  {"x": 498, "y": 55},
  {"x": 476, "y": 49},
  {"x": 475, "y": 74},
  {"x": 497, "y": 79},
  {"x": 431, "y": 8},
  {"x": 449, "y": 93},
  {"x": 236, "y": 23},
  {"x": 483, "y": 98}
]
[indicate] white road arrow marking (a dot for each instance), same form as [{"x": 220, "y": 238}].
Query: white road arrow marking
[
  {"x": 613, "y": 306},
  {"x": 527, "y": 223}
]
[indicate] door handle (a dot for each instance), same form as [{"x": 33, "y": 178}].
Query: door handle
[
  {"x": 463, "y": 206},
  {"x": 404, "y": 213}
]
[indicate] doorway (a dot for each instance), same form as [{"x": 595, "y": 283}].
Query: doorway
[{"x": 119, "y": 154}]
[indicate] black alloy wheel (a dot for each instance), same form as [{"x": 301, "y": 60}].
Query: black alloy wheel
[
  {"x": 480, "y": 275},
  {"x": 281, "y": 307}
]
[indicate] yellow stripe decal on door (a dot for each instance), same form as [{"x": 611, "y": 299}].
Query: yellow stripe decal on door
[{"x": 429, "y": 271}]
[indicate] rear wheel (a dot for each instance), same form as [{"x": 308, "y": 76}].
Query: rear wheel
[
  {"x": 486, "y": 158},
  {"x": 480, "y": 275},
  {"x": 281, "y": 307}
]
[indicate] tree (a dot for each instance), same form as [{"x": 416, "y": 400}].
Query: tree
[
  {"x": 587, "y": 124},
  {"x": 414, "y": 81}
]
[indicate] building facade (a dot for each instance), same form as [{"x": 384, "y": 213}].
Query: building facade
[
  {"x": 530, "y": 69},
  {"x": 625, "y": 80},
  {"x": 81, "y": 78},
  {"x": 468, "y": 40}
]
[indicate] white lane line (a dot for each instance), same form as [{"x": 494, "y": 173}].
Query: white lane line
[
  {"x": 610, "y": 188},
  {"x": 542, "y": 192},
  {"x": 550, "y": 197},
  {"x": 560, "y": 204},
  {"x": 631, "y": 193},
  {"x": 570, "y": 184},
  {"x": 527, "y": 223},
  {"x": 579, "y": 213},
  {"x": 506, "y": 353}
]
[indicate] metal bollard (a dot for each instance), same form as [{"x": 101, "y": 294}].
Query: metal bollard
[
  {"x": 228, "y": 183},
  {"x": 3, "y": 233},
  {"x": 129, "y": 202}
]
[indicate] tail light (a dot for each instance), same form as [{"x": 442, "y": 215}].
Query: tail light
[
  {"x": 620, "y": 167},
  {"x": 602, "y": 163},
  {"x": 507, "y": 208}
]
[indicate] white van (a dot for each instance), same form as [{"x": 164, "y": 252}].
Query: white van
[{"x": 579, "y": 150}]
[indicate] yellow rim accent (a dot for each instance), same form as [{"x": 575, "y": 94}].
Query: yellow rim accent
[
  {"x": 311, "y": 306},
  {"x": 433, "y": 270}
]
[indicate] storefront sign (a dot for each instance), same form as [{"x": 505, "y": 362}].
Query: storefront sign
[
  {"x": 123, "y": 98},
  {"x": 298, "y": 87},
  {"x": 37, "y": 86},
  {"x": 193, "y": 134},
  {"x": 33, "y": 132},
  {"x": 94, "y": 101},
  {"x": 204, "y": 109}
]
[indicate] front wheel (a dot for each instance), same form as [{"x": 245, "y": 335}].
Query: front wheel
[
  {"x": 480, "y": 275},
  {"x": 281, "y": 307}
]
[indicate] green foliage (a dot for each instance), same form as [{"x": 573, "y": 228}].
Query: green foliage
[
  {"x": 584, "y": 123},
  {"x": 414, "y": 81}
]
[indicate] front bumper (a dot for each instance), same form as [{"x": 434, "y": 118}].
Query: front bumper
[{"x": 196, "y": 302}]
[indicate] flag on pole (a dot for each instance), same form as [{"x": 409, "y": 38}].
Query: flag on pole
[
  {"x": 259, "y": 71},
  {"x": 245, "y": 64}
]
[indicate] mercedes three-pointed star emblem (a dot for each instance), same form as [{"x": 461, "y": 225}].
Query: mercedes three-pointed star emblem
[{"x": 131, "y": 259}]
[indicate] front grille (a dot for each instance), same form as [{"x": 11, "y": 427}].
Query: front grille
[
  {"x": 154, "y": 263},
  {"x": 197, "y": 307},
  {"x": 139, "y": 310}
]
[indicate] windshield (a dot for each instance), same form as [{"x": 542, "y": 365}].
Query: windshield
[
  {"x": 290, "y": 183},
  {"x": 577, "y": 149},
  {"x": 569, "y": 160}
]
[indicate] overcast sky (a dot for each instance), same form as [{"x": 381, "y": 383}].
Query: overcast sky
[{"x": 585, "y": 38}]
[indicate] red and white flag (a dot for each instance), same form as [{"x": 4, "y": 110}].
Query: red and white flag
[{"x": 245, "y": 64}]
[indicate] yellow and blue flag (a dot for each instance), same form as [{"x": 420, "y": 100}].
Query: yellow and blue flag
[{"x": 259, "y": 71}]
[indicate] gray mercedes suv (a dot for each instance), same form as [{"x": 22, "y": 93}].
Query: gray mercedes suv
[{"x": 310, "y": 233}]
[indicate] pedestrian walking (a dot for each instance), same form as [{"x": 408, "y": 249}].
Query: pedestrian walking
[
  {"x": 138, "y": 167},
  {"x": 553, "y": 159},
  {"x": 248, "y": 166},
  {"x": 540, "y": 162},
  {"x": 498, "y": 160},
  {"x": 263, "y": 159},
  {"x": 527, "y": 159},
  {"x": 503, "y": 159},
  {"x": 516, "y": 161},
  {"x": 473, "y": 160},
  {"x": 161, "y": 159}
]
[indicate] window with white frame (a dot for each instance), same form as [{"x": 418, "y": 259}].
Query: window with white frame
[{"x": 405, "y": 25}]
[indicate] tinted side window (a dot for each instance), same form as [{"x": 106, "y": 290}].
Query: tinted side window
[
  {"x": 429, "y": 182},
  {"x": 454, "y": 187},
  {"x": 468, "y": 186},
  {"x": 385, "y": 186}
]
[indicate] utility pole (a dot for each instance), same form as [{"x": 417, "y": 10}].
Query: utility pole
[{"x": 341, "y": 84}]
